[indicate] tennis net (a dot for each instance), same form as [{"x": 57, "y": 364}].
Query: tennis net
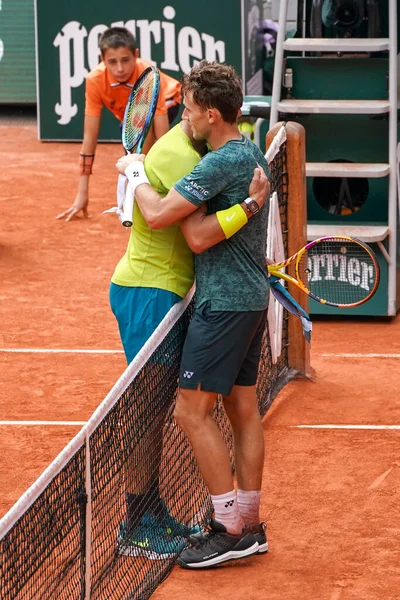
[{"x": 62, "y": 539}]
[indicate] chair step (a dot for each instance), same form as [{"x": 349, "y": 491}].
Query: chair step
[
  {"x": 365, "y": 233},
  {"x": 336, "y": 169},
  {"x": 294, "y": 106},
  {"x": 337, "y": 44}
]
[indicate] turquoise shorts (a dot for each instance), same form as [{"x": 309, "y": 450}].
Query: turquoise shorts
[{"x": 139, "y": 311}]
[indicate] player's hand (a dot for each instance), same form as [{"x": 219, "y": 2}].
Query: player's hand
[
  {"x": 126, "y": 160},
  {"x": 80, "y": 204},
  {"x": 259, "y": 186}
]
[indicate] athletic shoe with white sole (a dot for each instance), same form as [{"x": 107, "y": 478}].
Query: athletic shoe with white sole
[
  {"x": 168, "y": 523},
  {"x": 217, "y": 546},
  {"x": 259, "y": 532},
  {"x": 147, "y": 541}
]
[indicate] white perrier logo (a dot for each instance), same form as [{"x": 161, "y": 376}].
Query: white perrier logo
[
  {"x": 337, "y": 267},
  {"x": 181, "y": 50}
]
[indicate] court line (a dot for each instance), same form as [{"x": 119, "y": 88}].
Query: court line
[
  {"x": 81, "y": 423},
  {"x": 104, "y": 351},
  {"x": 45, "y": 423},
  {"x": 369, "y": 355},
  {"x": 367, "y": 427},
  {"x": 59, "y": 351}
]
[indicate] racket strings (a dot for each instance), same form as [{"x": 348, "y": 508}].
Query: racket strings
[
  {"x": 340, "y": 272},
  {"x": 139, "y": 114}
]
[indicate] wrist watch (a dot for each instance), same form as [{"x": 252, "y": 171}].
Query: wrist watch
[{"x": 252, "y": 206}]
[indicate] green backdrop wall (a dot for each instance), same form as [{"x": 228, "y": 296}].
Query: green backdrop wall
[
  {"x": 173, "y": 36},
  {"x": 17, "y": 52}
]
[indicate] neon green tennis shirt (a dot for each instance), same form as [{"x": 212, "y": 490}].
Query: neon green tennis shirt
[{"x": 160, "y": 258}]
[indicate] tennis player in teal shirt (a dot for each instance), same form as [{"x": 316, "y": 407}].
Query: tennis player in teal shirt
[
  {"x": 156, "y": 271},
  {"x": 223, "y": 344}
]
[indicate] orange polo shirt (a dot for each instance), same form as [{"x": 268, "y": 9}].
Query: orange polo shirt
[
  {"x": 103, "y": 90},
  {"x": 172, "y": 89}
]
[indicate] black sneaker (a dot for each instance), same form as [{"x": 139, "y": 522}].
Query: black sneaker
[
  {"x": 217, "y": 546},
  {"x": 259, "y": 532}
]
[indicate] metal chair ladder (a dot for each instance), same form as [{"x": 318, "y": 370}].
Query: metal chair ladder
[{"x": 281, "y": 107}]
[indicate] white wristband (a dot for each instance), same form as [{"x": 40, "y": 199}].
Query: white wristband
[{"x": 136, "y": 175}]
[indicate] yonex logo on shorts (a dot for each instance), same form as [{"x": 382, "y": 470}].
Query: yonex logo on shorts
[
  {"x": 230, "y": 503},
  {"x": 188, "y": 374}
]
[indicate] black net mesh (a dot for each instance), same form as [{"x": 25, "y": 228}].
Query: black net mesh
[
  {"x": 137, "y": 449},
  {"x": 43, "y": 555},
  {"x": 136, "y": 445}
]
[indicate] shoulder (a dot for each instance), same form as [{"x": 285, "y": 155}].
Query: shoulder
[
  {"x": 141, "y": 65},
  {"x": 171, "y": 158},
  {"x": 173, "y": 146},
  {"x": 228, "y": 154},
  {"x": 168, "y": 80},
  {"x": 214, "y": 163},
  {"x": 262, "y": 161},
  {"x": 255, "y": 153},
  {"x": 99, "y": 73}
]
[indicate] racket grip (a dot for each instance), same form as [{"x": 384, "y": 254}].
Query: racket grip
[
  {"x": 121, "y": 186},
  {"x": 127, "y": 217}
]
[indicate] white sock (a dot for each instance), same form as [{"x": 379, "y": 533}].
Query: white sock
[
  {"x": 249, "y": 506},
  {"x": 227, "y": 512}
]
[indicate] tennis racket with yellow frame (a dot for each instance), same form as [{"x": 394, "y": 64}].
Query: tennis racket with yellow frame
[{"x": 334, "y": 270}]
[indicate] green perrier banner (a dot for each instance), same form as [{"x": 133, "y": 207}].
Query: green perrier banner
[{"x": 173, "y": 36}]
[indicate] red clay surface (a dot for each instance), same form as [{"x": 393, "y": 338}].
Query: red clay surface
[{"x": 330, "y": 495}]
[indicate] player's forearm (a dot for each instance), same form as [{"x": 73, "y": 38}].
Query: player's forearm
[
  {"x": 83, "y": 185},
  {"x": 203, "y": 231},
  {"x": 90, "y": 135},
  {"x": 88, "y": 148},
  {"x": 159, "y": 212},
  {"x": 153, "y": 207}
]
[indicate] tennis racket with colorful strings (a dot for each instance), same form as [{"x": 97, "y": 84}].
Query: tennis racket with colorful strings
[
  {"x": 139, "y": 113},
  {"x": 334, "y": 270}
]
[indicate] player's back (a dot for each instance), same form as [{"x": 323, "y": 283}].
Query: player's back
[
  {"x": 161, "y": 258},
  {"x": 232, "y": 274}
]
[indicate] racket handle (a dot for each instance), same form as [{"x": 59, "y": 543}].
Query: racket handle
[
  {"x": 127, "y": 217},
  {"x": 121, "y": 187}
]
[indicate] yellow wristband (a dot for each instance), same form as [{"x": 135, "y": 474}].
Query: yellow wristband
[{"x": 231, "y": 219}]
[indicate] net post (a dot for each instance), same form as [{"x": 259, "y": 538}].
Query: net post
[{"x": 296, "y": 223}]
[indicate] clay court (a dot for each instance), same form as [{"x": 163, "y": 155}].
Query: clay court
[{"x": 331, "y": 480}]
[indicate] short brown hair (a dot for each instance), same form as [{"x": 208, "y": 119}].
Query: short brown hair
[
  {"x": 215, "y": 85},
  {"x": 117, "y": 37}
]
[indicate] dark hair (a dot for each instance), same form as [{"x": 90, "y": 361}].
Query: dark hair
[
  {"x": 116, "y": 37},
  {"x": 215, "y": 85}
]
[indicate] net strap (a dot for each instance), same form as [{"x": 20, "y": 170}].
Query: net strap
[{"x": 276, "y": 143}]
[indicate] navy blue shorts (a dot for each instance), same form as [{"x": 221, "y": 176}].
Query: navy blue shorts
[{"x": 222, "y": 349}]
